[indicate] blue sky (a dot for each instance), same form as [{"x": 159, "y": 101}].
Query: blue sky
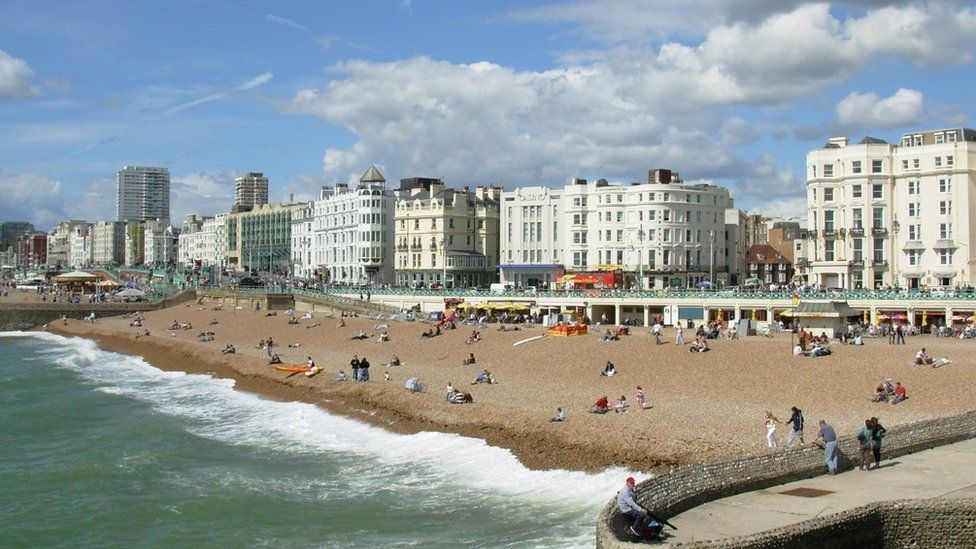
[{"x": 504, "y": 92}]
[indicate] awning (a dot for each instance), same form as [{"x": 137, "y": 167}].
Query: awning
[
  {"x": 76, "y": 276},
  {"x": 823, "y": 309}
]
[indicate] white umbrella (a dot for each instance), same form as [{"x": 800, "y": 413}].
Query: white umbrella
[{"x": 131, "y": 292}]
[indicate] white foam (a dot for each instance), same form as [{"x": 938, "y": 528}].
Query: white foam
[{"x": 211, "y": 408}]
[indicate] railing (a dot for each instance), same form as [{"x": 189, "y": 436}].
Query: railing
[
  {"x": 879, "y": 231},
  {"x": 857, "y": 231},
  {"x": 879, "y": 263},
  {"x": 829, "y": 233},
  {"x": 857, "y": 263}
]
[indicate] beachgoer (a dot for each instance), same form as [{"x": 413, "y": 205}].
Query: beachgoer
[
  {"x": 864, "y": 446},
  {"x": 899, "y": 394},
  {"x": 450, "y": 391},
  {"x": 641, "y": 398},
  {"x": 771, "y": 422},
  {"x": 354, "y": 365},
  {"x": 628, "y": 505},
  {"x": 621, "y": 405},
  {"x": 341, "y": 376},
  {"x": 829, "y": 438},
  {"x": 470, "y": 359},
  {"x": 386, "y": 376},
  {"x": 922, "y": 357},
  {"x": 679, "y": 335},
  {"x": 312, "y": 368},
  {"x": 877, "y": 433},
  {"x": 602, "y": 405},
  {"x": 363, "y": 370},
  {"x": 796, "y": 427},
  {"x": 656, "y": 331},
  {"x": 395, "y": 361},
  {"x": 609, "y": 370},
  {"x": 560, "y": 416}
]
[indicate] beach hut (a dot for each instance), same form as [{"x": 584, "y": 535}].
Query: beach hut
[{"x": 829, "y": 317}]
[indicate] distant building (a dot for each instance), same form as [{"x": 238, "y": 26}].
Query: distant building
[
  {"x": 260, "y": 239},
  {"x": 203, "y": 242},
  {"x": 756, "y": 230},
  {"x": 250, "y": 190},
  {"x": 80, "y": 247},
  {"x": 32, "y": 251},
  {"x": 135, "y": 243},
  {"x": 882, "y": 214},
  {"x": 59, "y": 243},
  {"x": 11, "y": 231},
  {"x": 767, "y": 264},
  {"x": 159, "y": 243},
  {"x": 143, "y": 193},
  {"x": 445, "y": 236},
  {"x": 108, "y": 243}
]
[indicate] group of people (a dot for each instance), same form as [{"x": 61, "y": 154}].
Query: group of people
[
  {"x": 869, "y": 438},
  {"x": 456, "y": 396},
  {"x": 360, "y": 368},
  {"x": 603, "y": 404},
  {"x": 796, "y": 428},
  {"x": 922, "y": 358}
]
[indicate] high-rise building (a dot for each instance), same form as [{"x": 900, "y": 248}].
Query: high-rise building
[
  {"x": 250, "y": 190},
  {"x": 444, "y": 236},
  {"x": 143, "y": 193},
  {"x": 882, "y": 214}
]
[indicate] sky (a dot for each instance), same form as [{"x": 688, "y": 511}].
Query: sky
[{"x": 734, "y": 92}]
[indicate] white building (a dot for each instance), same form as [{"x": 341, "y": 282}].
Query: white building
[
  {"x": 445, "y": 236},
  {"x": 143, "y": 193},
  {"x": 108, "y": 243},
  {"x": 661, "y": 233},
  {"x": 882, "y": 214},
  {"x": 160, "y": 243},
  {"x": 202, "y": 242},
  {"x": 59, "y": 243},
  {"x": 250, "y": 190},
  {"x": 346, "y": 236},
  {"x": 80, "y": 247}
]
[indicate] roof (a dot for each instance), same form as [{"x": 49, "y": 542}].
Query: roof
[
  {"x": 872, "y": 141},
  {"x": 372, "y": 175},
  {"x": 770, "y": 255},
  {"x": 823, "y": 309}
]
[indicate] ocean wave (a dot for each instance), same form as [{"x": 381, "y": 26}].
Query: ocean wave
[{"x": 434, "y": 462}]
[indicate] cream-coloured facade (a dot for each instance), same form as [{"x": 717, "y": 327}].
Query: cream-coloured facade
[
  {"x": 59, "y": 243},
  {"x": 446, "y": 237},
  {"x": 202, "y": 241},
  {"x": 661, "y": 233},
  {"x": 108, "y": 243},
  {"x": 160, "y": 243},
  {"x": 883, "y": 215}
]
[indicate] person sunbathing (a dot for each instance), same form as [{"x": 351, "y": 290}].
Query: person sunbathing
[
  {"x": 360, "y": 335},
  {"x": 229, "y": 350},
  {"x": 342, "y": 323},
  {"x": 395, "y": 361},
  {"x": 621, "y": 405},
  {"x": 428, "y": 334},
  {"x": 292, "y": 320},
  {"x": 880, "y": 394},
  {"x": 341, "y": 376}
]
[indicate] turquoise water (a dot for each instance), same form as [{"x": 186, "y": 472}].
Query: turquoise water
[{"x": 101, "y": 449}]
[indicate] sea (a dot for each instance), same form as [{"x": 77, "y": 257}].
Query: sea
[{"x": 103, "y": 449}]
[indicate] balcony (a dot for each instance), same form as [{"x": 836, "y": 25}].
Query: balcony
[
  {"x": 829, "y": 233},
  {"x": 879, "y": 231},
  {"x": 812, "y": 233},
  {"x": 879, "y": 264},
  {"x": 857, "y": 264},
  {"x": 416, "y": 247},
  {"x": 857, "y": 231}
]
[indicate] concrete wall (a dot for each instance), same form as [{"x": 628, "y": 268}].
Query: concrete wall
[
  {"x": 26, "y": 315},
  {"x": 672, "y": 493}
]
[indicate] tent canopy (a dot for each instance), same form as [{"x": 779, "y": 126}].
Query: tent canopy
[
  {"x": 107, "y": 284},
  {"x": 76, "y": 276},
  {"x": 131, "y": 292},
  {"x": 823, "y": 309}
]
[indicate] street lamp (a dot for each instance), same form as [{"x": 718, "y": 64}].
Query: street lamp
[
  {"x": 640, "y": 258},
  {"x": 444, "y": 262},
  {"x": 711, "y": 257}
]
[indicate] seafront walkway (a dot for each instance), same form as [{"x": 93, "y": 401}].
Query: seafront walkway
[{"x": 943, "y": 472}]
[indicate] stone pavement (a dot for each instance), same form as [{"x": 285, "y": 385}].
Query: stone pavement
[{"x": 947, "y": 471}]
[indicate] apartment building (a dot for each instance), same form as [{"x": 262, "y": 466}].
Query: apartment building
[
  {"x": 108, "y": 243},
  {"x": 59, "y": 243},
  {"x": 662, "y": 233},
  {"x": 881, "y": 214},
  {"x": 202, "y": 241},
  {"x": 260, "y": 239},
  {"x": 446, "y": 237},
  {"x": 250, "y": 190},
  {"x": 143, "y": 193}
]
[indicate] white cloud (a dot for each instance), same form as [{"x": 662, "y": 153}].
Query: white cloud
[
  {"x": 31, "y": 197},
  {"x": 256, "y": 81},
  {"x": 203, "y": 193},
  {"x": 250, "y": 84},
  {"x": 15, "y": 78},
  {"x": 283, "y": 21},
  {"x": 904, "y": 108}
]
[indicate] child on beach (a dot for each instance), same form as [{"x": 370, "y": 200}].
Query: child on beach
[
  {"x": 771, "y": 422},
  {"x": 341, "y": 376},
  {"x": 621, "y": 405},
  {"x": 560, "y": 416},
  {"x": 641, "y": 398}
]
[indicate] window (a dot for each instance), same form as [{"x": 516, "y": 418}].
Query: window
[
  {"x": 915, "y": 164},
  {"x": 904, "y": 164},
  {"x": 856, "y": 218},
  {"x": 813, "y": 171},
  {"x": 914, "y": 256},
  {"x": 856, "y": 191},
  {"x": 828, "y": 195},
  {"x": 620, "y": 216},
  {"x": 856, "y": 166},
  {"x": 828, "y": 170},
  {"x": 913, "y": 187},
  {"x": 876, "y": 166},
  {"x": 939, "y": 138},
  {"x": 620, "y": 235},
  {"x": 945, "y": 185},
  {"x": 829, "y": 250},
  {"x": 945, "y": 257},
  {"x": 667, "y": 215},
  {"x": 950, "y": 137},
  {"x": 914, "y": 232},
  {"x": 828, "y": 220},
  {"x": 877, "y": 219},
  {"x": 914, "y": 209},
  {"x": 945, "y": 230},
  {"x": 877, "y": 190},
  {"x": 879, "y": 249},
  {"x": 858, "y": 249},
  {"x": 949, "y": 162},
  {"x": 938, "y": 161},
  {"x": 945, "y": 207}
]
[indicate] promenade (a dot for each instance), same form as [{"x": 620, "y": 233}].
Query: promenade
[{"x": 946, "y": 471}]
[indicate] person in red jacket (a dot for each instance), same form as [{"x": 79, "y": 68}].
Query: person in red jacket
[{"x": 602, "y": 405}]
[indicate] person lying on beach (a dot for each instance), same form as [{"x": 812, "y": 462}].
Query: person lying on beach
[
  {"x": 560, "y": 416},
  {"x": 395, "y": 361},
  {"x": 275, "y": 359},
  {"x": 460, "y": 397},
  {"x": 377, "y": 327},
  {"x": 484, "y": 376},
  {"x": 293, "y": 320},
  {"x": 602, "y": 405},
  {"x": 475, "y": 337},
  {"x": 609, "y": 337},
  {"x": 271, "y": 313},
  {"x": 429, "y": 333},
  {"x": 609, "y": 370},
  {"x": 342, "y": 323},
  {"x": 506, "y": 328},
  {"x": 307, "y": 315},
  {"x": 341, "y": 376},
  {"x": 137, "y": 323},
  {"x": 214, "y": 321},
  {"x": 229, "y": 349},
  {"x": 469, "y": 360},
  {"x": 383, "y": 337},
  {"x": 294, "y": 344},
  {"x": 360, "y": 335},
  {"x": 313, "y": 325}
]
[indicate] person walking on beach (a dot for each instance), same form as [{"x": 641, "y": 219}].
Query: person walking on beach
[
  {"x": 631, "y": 509},
  {"x": 270, "y": 347},
  {"x": 679, "y": 335},
  {"x": 656, "y": 330},
  {"x": 891, "y": 334},
  {"x": 901, "y": 333},
  {"x": 771, "y": 422},
  {"x": 877, "y": 433},
  {"x": 354, "y": 365},
  {"x": 796, "y": 427},
  {"x": 829, "y": 438}
]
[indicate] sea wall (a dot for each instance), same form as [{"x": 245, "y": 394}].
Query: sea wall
[
  {"x": 24, "y": 315},
  {"x": 672, "y": 493}
]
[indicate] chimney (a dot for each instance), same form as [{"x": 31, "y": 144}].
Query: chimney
[{"x": 839, "y": 141}]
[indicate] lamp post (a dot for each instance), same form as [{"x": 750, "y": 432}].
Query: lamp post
[
  {"x": 711, "y": 257},
  {"x": 895, "y": 226}
]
